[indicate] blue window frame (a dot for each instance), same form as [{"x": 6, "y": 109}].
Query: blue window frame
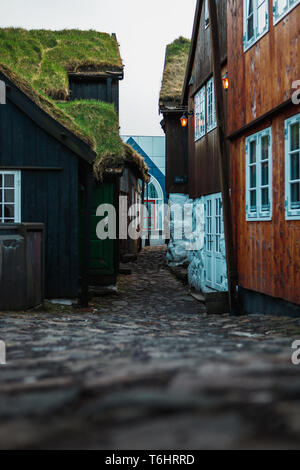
[
  {"x": 282, "y": 8},
  {"x": 200, "y": 118},
  {"x": 205, "y": 110},
  {"x": 10, "y": 197},
  {"x": 206, "y": 14},
  {"x": 256, "y": 21},
  {"x": 259, "y": 176},
  {"x": 292, "y": 168},
  {"x": 211, "y": 106}
]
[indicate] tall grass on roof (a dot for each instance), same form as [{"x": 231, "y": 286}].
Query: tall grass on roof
[
  {"x": 44, "y": 58},
  {"x": 176, "y": 60},
  {"x": 100, "y": 122}
]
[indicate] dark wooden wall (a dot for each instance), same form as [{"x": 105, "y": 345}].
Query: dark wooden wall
[
  {"x": 176, "y": 153},
  {"x": 202, "y": 65},
  {"x": 203, "y": 154},
  {"x": 49, "y": 197},
  {"x": 260, "y": 78},
  {"x": 104, "y": 89},
  {"x": 268, "y": 253}
]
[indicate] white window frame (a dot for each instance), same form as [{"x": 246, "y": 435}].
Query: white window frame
[
  {"x": 256, "y": 5},
  {"x": 210, "y": 117},
  {"x": 206, "y": 14},
  {"x": 260, "y": 213},
  {"x": 17, "y": 199},
  {"x": 290, "y": 212},
  {"x": 199, "y": 113},
  {"x": 290, "y": 5}
]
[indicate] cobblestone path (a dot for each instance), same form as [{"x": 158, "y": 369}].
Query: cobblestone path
[{"x": 148, "y": 369}]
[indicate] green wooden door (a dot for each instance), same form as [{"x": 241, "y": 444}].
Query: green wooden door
[{"x": 102, "y": 252}]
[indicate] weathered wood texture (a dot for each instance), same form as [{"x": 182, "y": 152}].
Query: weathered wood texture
[
  {"x": 268, "y": 253},
  {"x": 261, "y": 78},
  {"x": 48, "y": 197},
  {"x": 203, "y": 154},
  {"x": 202, "y": 61},
  {"x": 104, "y": 89},
  {"x": 176, "y": 153}
]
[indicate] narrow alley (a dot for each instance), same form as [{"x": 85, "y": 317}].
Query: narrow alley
[{"x": 147, "y": 368}]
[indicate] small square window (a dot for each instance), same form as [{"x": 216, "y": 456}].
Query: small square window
[{"x": 10, "y": 197}]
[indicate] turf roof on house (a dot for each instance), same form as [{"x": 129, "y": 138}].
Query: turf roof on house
[
  {"x": 39, "y": 61},
  {"x": 177, "y": 54}
]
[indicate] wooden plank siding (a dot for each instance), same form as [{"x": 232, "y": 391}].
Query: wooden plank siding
[
  {"x": 268, "y": 253},
  {"x": 176, "y": 153},
  {"x": 204, "y": 176},
  {"x": 260, "y": 78},
  {"x": 104, "y": 89},
  {"x": 260, "y": 81},
  {"x": 48, "y": 197}
]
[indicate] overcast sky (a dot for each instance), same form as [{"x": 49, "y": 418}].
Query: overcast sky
[{"x": 143, "y": 28}]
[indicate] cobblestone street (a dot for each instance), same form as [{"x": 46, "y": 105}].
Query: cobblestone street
[{"x": 147, "y": 368}]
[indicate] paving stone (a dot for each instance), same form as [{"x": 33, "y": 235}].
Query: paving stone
[{"x": 148, "y": 370}]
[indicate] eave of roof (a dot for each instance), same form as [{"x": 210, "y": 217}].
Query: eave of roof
[{"x": 189, "y": 68}]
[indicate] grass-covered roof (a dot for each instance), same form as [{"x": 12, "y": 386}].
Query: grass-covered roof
[
  {"x": 44, "y": 58},
  {"x": 39, "y": 61},
  {"x": 177, "y": 54}
]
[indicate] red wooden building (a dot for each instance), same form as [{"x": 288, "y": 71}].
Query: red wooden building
[{"x": 264, "y": 133}]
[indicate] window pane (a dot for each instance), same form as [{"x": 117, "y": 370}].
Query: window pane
[
  {"x": 253, "y": 151},
  {"x": 262, "y": 17},
  {"x": 253, "y": 200},
  {"x": 250, "y": 28},
  {"x": 9, "y": 181},
  {"x": 281, "y": 7},
  {"x": 265, "y": 198},
  {"x": 253, "y": 176},
  {"x": 265, "y": 174},
  {"x": 295, "y": 169},
  {"x": 265, "y": 147},
  {"x": 9, "y": 211},
  {"x": 295, "y": 194},
  {"x": 295, "y": 136},
  {"x": 1, "y": 212},
  {"x": 9, "y": 195},
  {"x": 1, "y": 183},
  {"x": 152, "y": 193}
]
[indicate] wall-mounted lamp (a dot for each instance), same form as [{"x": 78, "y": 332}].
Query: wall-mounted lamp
[
  {"x": 225, "y": 82},
  {"x": 184, "y": 118}
]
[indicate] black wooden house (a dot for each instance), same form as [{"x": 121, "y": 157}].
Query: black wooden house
[
  {"x": 61, "y": 151},
  {"x": 47, "y": 164}
]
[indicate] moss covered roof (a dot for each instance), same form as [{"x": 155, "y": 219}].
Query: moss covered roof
[
  {"x": 177, "y": 54},
  {"x": 38, "y": 62},
  {"x": 44, "y": 58}
]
